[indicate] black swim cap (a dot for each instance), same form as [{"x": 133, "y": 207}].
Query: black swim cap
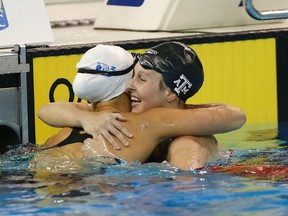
[{"x": 179, "y": 65}]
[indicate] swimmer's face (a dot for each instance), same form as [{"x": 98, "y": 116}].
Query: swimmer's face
[{"x": 146, "y": 90}]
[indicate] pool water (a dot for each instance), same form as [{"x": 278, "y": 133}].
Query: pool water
[{"x": 258, "y": 185}]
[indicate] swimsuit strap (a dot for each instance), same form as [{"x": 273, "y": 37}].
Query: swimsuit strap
[{"x": 74, "y": 136}]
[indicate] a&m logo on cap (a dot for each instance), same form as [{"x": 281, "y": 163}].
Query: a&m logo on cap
[
  {"x": 182, "y": 85},
  {"x": 3, "y": 19}
]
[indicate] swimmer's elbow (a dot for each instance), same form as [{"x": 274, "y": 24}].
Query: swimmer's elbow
[
  {"x": 41, "y": 112},
  {"x": 240, "y": 118},
  {"x": 48, "y": 115}
]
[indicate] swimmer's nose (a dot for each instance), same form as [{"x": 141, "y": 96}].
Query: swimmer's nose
[{"x": 130, "y": 86}]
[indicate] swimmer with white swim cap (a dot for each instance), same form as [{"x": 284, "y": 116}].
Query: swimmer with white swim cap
[{"x": 103, "y": 73}]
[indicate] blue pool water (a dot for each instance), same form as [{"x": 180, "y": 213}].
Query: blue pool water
[{"x": 157, "y": 189}]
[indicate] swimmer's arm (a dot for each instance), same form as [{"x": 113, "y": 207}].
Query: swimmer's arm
[
  {"x": 221, "y": 118},
  {"x": 62, "y": 114},
  {"x": 197, "y": 122},
  {"x": 224, "y": 117},
  {"x": 191, "y": 152},
  {"x": 65, "y": 114}
]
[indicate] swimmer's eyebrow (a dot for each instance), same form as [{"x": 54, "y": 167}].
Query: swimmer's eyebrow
[
  {"x": 142, "y": 71},
  {"x": 145, "y": 72}
]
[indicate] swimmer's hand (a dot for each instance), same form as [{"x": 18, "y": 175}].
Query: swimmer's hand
[
  {"x": 65, "y": 114},
  {"x": 107, "y": 125}
]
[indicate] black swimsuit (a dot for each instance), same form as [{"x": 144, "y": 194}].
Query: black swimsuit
[{"x": 74, "y": 136}]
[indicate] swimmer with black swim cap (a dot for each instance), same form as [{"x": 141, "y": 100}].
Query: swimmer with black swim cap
[
  {"x": 176, "y": 67},
  {"x": 179, "y": 65}
]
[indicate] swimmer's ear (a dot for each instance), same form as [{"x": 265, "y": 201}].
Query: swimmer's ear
[{"x": 170, "y": 96}]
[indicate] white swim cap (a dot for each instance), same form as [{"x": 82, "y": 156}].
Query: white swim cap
[{"x": 103, "y": 73}]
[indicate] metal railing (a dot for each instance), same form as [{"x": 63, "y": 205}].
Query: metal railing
[{"x": 264, "y": 15}]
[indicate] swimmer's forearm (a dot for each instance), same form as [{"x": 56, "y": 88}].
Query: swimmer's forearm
[
  {"x": 225, "y": 118},
  {"x": 230, "y": 118},
  {"x": 198, "y": 122},
  {"x": 222, "y": 119},
  {"x": 61, "y": 114},
  {"x": 217, "y": 119}
]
